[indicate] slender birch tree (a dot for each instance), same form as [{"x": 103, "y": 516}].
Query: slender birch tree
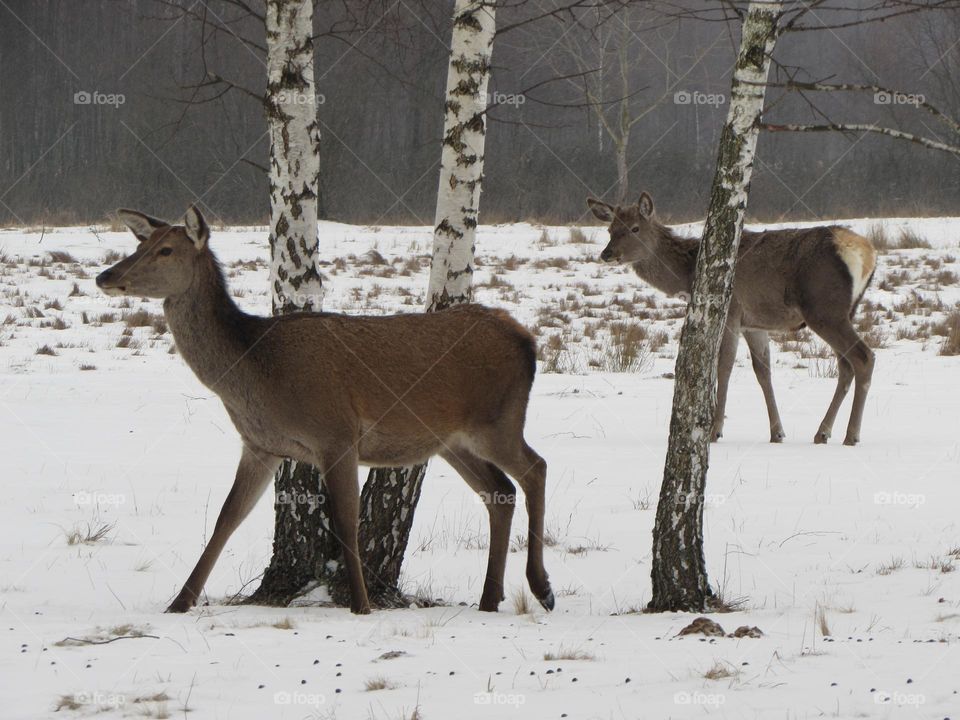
[
  {"x": 390, "y": 495},
  {"x": 679, "y": 572},
  {"x": 302, "y": 540}
]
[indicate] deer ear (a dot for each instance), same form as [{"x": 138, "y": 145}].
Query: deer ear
[
  {"x": 645, "y": 204},
  {"x": 600, "y": 209},
  {"x": 140, "y": 225},
  {"x": 196, "y": 226}
]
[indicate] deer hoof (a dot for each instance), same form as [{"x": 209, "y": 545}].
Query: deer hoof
[
  {"x": 362, "y": 610},
  {"x": 488, "y": 605},
  {"x": 821, "y": 438},
  {"x": 851, "y": 441},
  {"x": 547, "y": 600},
  {"x": 777, "y": 437}
]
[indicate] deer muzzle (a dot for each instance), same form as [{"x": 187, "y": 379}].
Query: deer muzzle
[{"x": 108, "y": 282}]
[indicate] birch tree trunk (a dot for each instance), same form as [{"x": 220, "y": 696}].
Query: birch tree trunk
[
  {"x": 303, "y": 542},
  {"x": 679, "y": 572},
  {"x": 390, "y": 495}
]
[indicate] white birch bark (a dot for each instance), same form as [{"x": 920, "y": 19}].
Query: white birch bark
[
  {"x": 294, "y": 156},
  {"x": 679, "y": 572},
  {"x": 461, "y": 166},
  {"x": 390, "y": 495},
  {"x": 303, "y": 541}
]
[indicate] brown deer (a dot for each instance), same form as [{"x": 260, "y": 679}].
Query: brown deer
[
  {"x": 785, "y": 280},
  {"x": 335, "y": 390}
]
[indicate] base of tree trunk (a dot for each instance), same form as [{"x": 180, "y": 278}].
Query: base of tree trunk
[
  {"x": 303, "y": 542},
  {"x": 307, "y": 554}
]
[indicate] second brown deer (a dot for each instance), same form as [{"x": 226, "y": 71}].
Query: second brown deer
[
  {"x": 336, "y": 391},
  {"x": 785, "y": 280}
]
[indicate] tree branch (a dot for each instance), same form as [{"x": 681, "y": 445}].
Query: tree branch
[{"x": 859, "y": 127}]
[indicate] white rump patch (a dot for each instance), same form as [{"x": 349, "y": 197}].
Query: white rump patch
[{"x": 858, "y": 255}]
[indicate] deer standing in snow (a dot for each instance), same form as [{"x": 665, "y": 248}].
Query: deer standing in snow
[
  {"x": 785, "y": 280},
  {"x": 336, "y": 391}
]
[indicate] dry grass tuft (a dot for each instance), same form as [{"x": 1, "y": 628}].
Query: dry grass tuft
[
  {"x": 61, "y": 256},
  {"x": 378, "y": 683},
  {"x": 563, "y": 653},
  {"x": 910, "y": 240},
  {"x": 627, "y": 350},
  {"x": 950, "y": 327},
  {"x": 720, "y": 670},
  {"x": 89, "y": 535},
  {"x": 820, "y": 613},
  {"x": 891, "y": 566},
  {"x": 522, "y": 602}
]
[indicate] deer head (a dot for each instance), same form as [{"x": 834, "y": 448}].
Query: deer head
[
  {"x": 164, "y": 263},
  {"x": 632, "y": 228}
]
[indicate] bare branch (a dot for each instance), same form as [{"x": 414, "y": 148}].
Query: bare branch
[{"x": 861, "y": 128}]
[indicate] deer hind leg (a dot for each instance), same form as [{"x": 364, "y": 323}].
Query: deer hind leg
[
  {"x": 500, "y": 496},
  {"x": 725, "y": 360},
  {"x": 759, "y": 343},
  {"x": 854, "y": 364},
  {"x": 341, "y": 480},
  {"x": 254, "y": 473},
  {"x": 529, "y": 470}
]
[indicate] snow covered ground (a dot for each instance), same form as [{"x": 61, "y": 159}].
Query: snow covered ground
[{"x": 116, "y": 461}]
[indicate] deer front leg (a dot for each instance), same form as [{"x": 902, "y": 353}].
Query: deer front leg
[
  {"x": 759, "y": 343},
  {"x": 254, "y": 473}
]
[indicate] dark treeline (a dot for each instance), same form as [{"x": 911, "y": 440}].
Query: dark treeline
[{"x": 381, "y": 76}]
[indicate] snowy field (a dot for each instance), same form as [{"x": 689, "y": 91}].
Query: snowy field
[{"x": 116, "y": 461}]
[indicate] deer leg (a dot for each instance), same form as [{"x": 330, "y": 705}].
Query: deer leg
[
  {"x": 863, "y": 359},
  {"x": 500, "y": 496},
  {"x": 530, "y": 472},
  {"x": 844, "y": 380},
  {"x": 759, "y": 343},
  {"x": 254, "y": 473},
  {"x": 341, "y": 482},
  {"x": 854, "y": 363},
  {"x": 725, "y": 359}
]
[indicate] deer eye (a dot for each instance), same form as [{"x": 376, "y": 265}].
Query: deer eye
[
  {"x": 635, "y": 228},
  {"x": 166, "y": 251}
]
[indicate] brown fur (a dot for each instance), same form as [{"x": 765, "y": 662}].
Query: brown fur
[
  {"x": 785, "y": 280},
  {"x": 337, "y": 391}
]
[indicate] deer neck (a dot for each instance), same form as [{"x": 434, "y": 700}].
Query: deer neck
[
  {"x": 668, "y": 262},
  {"x": 211, "y": 332}
]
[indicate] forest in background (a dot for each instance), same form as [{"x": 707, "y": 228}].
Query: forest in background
[{"x": 142, "y": 139}]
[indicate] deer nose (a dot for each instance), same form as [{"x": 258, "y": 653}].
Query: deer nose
[
  {"x": 606, "y": 255},
  {"x": 104, "y": 277}
]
